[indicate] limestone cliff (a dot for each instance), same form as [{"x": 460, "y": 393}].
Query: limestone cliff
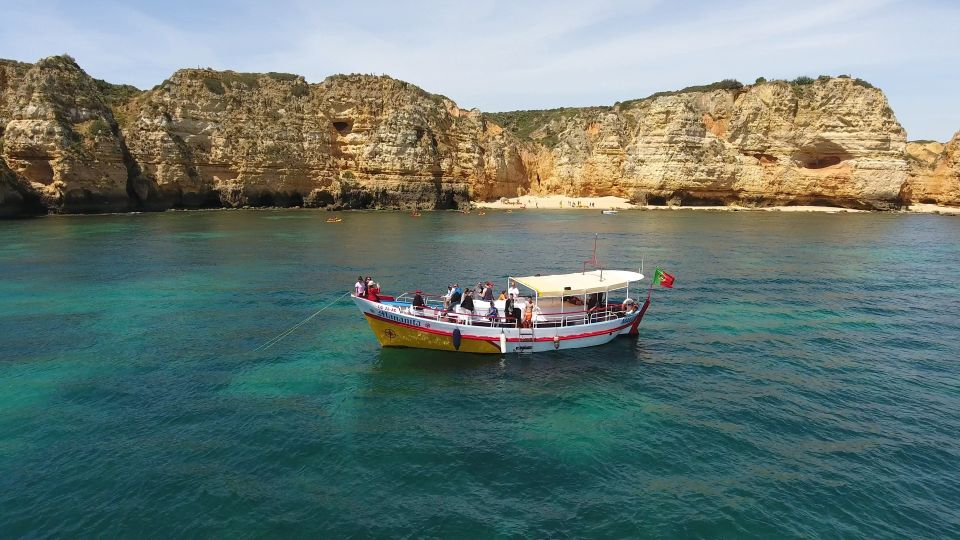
[
  {"x": 204, "y": 138},
  {"x": 934, "y": 172},
  {"x": 207, "y": 138},
  {"x": 60, "y": 139},
  {"x": 831, "y": 141}
]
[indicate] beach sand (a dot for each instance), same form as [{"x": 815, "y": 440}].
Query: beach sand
[{"x": 554, "y": 202}]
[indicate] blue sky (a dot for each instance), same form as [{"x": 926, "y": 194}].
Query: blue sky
[{"x": 504, "y": 55}]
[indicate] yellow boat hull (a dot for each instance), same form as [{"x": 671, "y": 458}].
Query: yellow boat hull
[{"x": 391, "y": 334}]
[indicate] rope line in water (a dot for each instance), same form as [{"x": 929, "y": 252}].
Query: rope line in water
[{"x": 282, "y": 335}]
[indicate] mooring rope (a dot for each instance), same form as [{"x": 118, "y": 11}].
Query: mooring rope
[{"x": 277, "y": 339}]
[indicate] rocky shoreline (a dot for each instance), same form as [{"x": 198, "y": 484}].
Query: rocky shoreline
[{"x": 70, "y": 143}]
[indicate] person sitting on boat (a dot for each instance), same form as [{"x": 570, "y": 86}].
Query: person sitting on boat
[
  {"x": 503, "y": 295},
  {"x": 492, "y": 313},
  {"x": 418, "y": 302},
  {"x": 467, "y": 303},
  {"x": 360, "y": 287}
]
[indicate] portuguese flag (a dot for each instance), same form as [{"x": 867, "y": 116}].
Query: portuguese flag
[{"x": 662, "y": 278}]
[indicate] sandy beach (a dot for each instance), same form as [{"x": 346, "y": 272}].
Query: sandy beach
[{"x": 557, "y": 202}]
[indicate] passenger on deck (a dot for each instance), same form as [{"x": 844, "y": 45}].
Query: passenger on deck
[
  {"x": 527, "y": 316},
  {"x": 418, "y": 302},
  {"x": 360, "y": 287},
  {"x": 492, "y": 313},
  {"x": 373, "y": 291},
  {"x": 446, "y": 297},
  {"x": 513, "y": 289},
  {"x": 503, "y": 295},
  {"x": 511, "y": 310},
  {"x": 488, "y": 292},
  {"x": 456, "y": 295},
  {"x": 467, "y": 303}
]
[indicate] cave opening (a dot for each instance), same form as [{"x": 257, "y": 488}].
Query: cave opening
[
  {"x": 656, "y": 200},
  {"x": 343, "y": 127},
  {"x": 821, "y": 154}
]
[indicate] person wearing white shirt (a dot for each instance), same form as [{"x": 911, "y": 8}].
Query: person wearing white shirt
[{"x": 513, "y": 290}]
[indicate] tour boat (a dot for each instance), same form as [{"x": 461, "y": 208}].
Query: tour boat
[
  {"x": 610, "y": 212},
  {"x": 581, "y": 309}
]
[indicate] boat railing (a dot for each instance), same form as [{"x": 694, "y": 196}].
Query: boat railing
[{"x": 434, "y": 309}]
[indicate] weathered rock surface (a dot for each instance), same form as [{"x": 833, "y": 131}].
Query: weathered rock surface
[
  {"x": 934, "y": 172},
  {"x": 834, "y": 141},
  {"x": 207, "y": 138},
  {"x": 204, "y": 138},
  {"x": 60, "y": 139}
]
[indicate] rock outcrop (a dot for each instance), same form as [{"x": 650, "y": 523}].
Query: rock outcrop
[
  {"x": 832, "y": 141},
  {"x": 60, "y": 139},
  {"x": 934, "y": 172},
  {"x": 208, "y": 138},
  {"x": 205, "y": 138}
]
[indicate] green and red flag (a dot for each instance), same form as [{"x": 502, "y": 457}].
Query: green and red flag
[{"x": 662, "y": 278}]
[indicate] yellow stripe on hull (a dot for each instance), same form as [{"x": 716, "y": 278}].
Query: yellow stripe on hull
[{"x": 394, "y": 335}]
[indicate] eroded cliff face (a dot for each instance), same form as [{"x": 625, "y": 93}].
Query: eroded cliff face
[
  {"x": 207, "y": 138},
  {"x": 60, "y": 140},
  {"x": 204, "y": 138},
  {"x": 934, "y": 172},
  {"x": 834, "y": 141}
]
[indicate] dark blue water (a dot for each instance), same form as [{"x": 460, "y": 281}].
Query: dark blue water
[{"x": 801, "y": 380}]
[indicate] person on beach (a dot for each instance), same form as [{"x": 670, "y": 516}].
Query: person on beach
[{"x": 418, "y": 302}]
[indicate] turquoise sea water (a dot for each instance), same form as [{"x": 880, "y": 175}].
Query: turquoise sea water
[{"x": 801, "y": 380}]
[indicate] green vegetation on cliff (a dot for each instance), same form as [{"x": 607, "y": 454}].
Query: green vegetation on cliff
[
  {"x": 542, "y": 126},
  {"x": 117, "y": 94}
]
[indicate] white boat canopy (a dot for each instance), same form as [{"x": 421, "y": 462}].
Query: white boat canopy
[{"x": 579, "y": 283}]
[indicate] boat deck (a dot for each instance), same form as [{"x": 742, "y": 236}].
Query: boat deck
[{"x": 573, "y": 315}]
